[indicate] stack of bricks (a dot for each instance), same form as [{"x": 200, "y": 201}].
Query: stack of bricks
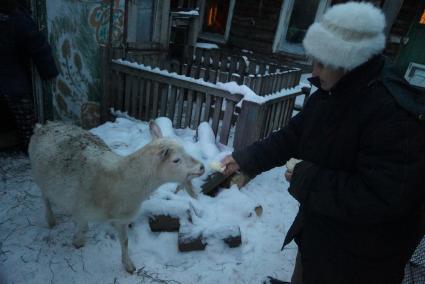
[{"x": 190, "y": 239}]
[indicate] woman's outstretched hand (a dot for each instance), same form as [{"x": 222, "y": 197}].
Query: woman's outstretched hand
[{"x": 230, "y": 165}]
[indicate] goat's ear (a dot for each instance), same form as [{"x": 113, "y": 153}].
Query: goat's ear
[
  {"x": 164, "y": 153},
  {"x": 154, "y": 130}
]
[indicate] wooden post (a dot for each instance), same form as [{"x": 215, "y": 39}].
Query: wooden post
[
  {"x": 249, "y": 124},
  {"x": 105, "y": 101}
]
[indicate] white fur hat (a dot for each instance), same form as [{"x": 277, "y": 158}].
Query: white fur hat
[{"x": 347, "y": 36}]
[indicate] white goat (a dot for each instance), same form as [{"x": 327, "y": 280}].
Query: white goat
[{"x": 76, "y": 171}]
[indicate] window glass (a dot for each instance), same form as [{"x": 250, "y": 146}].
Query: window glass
[
  {"x": 215, "y": 16},
  {"x": 144, "y": 20},
  {"x": 302, "y": 16}
]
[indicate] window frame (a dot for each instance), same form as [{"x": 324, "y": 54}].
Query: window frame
[
  {"x": 280, "y": 44},
  {"x": 216, "y": 38}
]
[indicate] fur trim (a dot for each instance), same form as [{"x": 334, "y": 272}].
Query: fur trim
[{"x": 348, "y": 35}]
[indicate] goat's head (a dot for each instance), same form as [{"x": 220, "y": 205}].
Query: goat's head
[{"x": 174, "y": 164}]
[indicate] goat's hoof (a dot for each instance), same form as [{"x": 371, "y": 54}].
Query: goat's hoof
[{"x": 129, "y": 266}]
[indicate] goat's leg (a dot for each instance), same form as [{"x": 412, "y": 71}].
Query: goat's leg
[
  {"x": 123, "y": 237},
  {"x": 50, "y": 217},
  {"x": 80, "y": 235}
]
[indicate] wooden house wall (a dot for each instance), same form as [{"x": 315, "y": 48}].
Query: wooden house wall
[
  {"x": 254, "y": 24},
  {"x": 401, "y": 25}
]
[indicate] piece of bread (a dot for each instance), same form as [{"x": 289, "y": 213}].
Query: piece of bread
[
  {"x": 216, "y": 166},
  {"x": 290, "y": 165}
]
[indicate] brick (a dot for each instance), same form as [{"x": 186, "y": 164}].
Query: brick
[
  {"x": 191, "y": 243},
  {"x": 164, "y": 223}
]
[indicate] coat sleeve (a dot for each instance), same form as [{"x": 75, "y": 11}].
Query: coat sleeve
[
  {"x": 389, "y": 181},
  {"x": 273, "y": 151},
  {"x": 34, "y": 43}
]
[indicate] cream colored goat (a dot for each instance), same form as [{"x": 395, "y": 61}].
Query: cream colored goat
[{"x": 76, "y": 171}]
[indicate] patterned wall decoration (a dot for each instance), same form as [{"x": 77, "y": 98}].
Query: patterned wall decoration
[
  {"x": 76, "y": 28},
  {"x": 99, "y": 20}
]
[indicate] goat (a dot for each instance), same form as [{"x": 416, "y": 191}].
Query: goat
[{"x": 76, "y": 171}]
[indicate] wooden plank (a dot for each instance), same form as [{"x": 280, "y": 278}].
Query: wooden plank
[
  {"x": 285, "y": 109},
  {"x": 223, "y": 77},
  {"x": 198, "y": 56},
  {"x": 212, "y": 76},
  {"x": 128, "y": 87},
  {"x": 180, "y": 104},
  {"x": 274, "y": 83},
  {"x": 172, "y": 103},
  {"x": 249, "y": 125},
  {"x": 164, "y": 90},
  {"x": 216, "y": 60},
  {"x": 185, "y": 69},
  {"x": 277, "y": 115},
  {"x": 227, "y": 120},
  {"x": 216, "y": 115},
  {"x": 203, "y": 73},
  {"x": 233, "y": 64},
  {"x": 194, "y": 71},
  {"x": 271, "y": 119},
  {"x": 291, "y": 109},
  {"x": 137, "y": 96},
  {"x": 198, "y": 109},
  {"x": 279, "y": 81},
  {"x": 188, "y": 117},
  {"x": 258, "y": 83},
  {"x": 247, "y": 81},
  {"x": 285, "y": 78},
  {"x": 235, "y": 78},
  {"x": 119, "y": 95},
  {"x": 285, "y": 115},
  {"x": 147, "y": 100},
  {"x": 207, "y": 112},
  {"x": 155, "y": 101}
]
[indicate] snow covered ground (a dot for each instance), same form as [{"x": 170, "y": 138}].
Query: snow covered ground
[{"x": 32, "y": 253}]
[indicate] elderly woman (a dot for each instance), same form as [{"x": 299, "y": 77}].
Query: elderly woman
[{"x": 361, "y": 139}]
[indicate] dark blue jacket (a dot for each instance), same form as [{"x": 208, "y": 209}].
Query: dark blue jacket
[
  {"x": 20, "y": 42},
  {"x": 362, "y": 183}
]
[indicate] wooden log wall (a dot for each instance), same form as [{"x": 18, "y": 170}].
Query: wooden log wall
[{"x": 254, "y": 24}]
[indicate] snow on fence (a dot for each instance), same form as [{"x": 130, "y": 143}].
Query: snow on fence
[{"x": 147, "y": 93}]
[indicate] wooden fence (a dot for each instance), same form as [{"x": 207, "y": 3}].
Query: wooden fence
[
  {"x": 147, "y": 94},
  {"x": 219, "y": 65}
]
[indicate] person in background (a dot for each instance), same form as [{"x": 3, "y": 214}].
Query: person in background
[
  {"x": 20, "y": 43},
  {"x": 361, "y": 141}
]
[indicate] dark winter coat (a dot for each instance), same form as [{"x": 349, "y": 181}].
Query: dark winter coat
[
  {"x": 20, "y": 42},
  {"x": 362, "y": 182}
]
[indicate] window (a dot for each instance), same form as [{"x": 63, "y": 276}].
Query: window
[
  {"x": 422, "y": 20},
  {"x": 302, "y": 17},
  {"x": 140, "y": 21},
  {"x": 148, "y": 23},
  {"x": 216, "y": 19},
  {"x": 295, "y": 18}
]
